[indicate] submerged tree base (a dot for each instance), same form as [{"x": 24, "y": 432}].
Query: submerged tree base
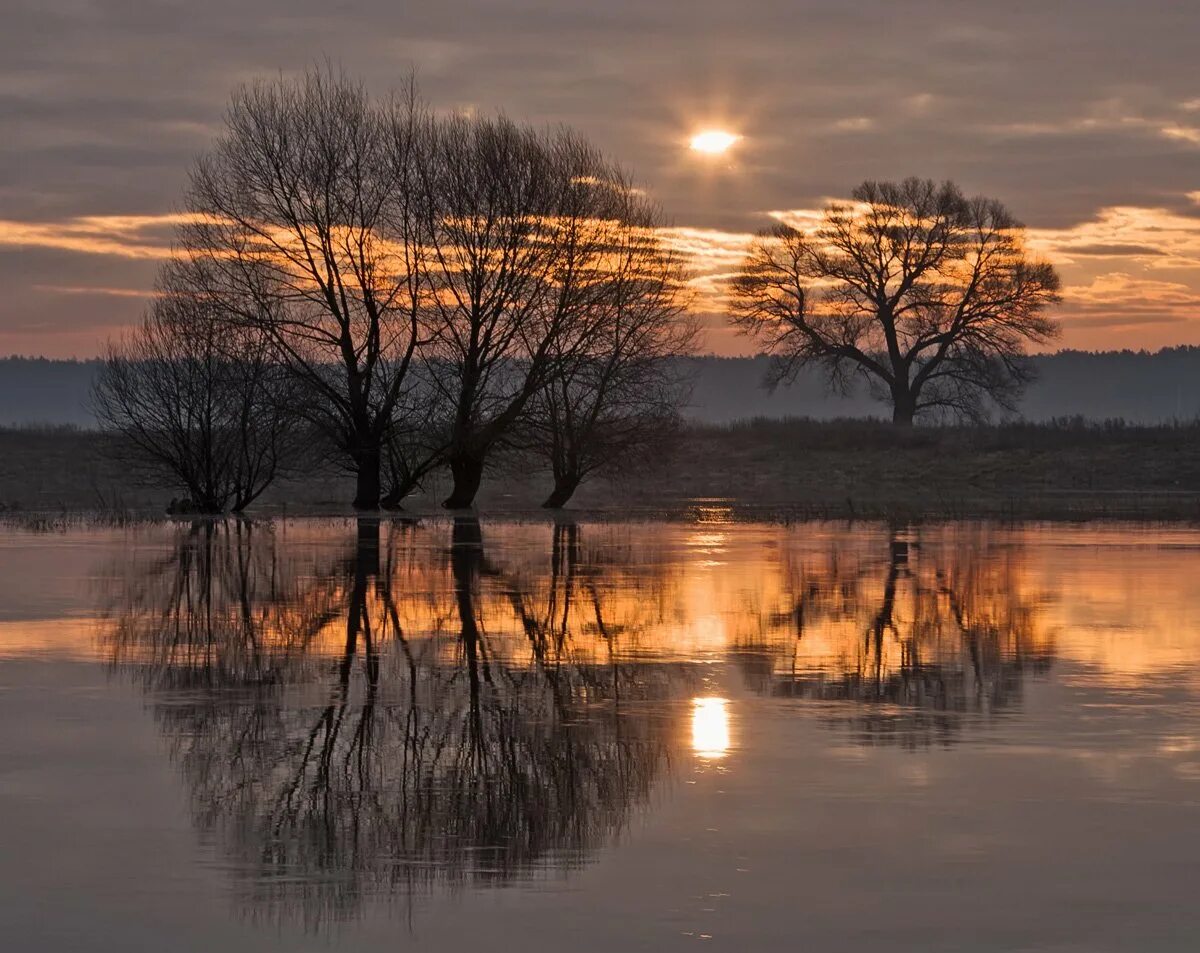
[
  {"x": 395, "y": 497},
  {"x": 190, "y": 507},
  {"x": 468, "y": 475},
  {"x": 561, "y": 494}
]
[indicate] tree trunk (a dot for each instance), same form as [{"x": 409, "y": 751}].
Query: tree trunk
[
  {"x": 564, "y": 489},
  {"x": 366, "y": 491},
  {"x": 903, "y": 409},
  {"x": 393, "y": 498},
  {"x": 467, "y": 470},
  {"x": 365, "y": 564}
]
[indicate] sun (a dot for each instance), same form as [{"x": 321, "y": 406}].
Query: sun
[{"x": 713, "y": 142}]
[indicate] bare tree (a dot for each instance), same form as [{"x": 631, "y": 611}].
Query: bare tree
[
  {"x": 196, "y": 400},
  {"x": 618, "y": 385},
  {"x": 927, "y": 294},
  {"x": 302, "y": 219},
  {"x": 502, "y": 203}
]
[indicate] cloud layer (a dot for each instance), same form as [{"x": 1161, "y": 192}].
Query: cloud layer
[{"x": 1083, "y": 116}]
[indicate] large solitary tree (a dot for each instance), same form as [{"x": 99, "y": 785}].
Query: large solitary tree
[{"x": 929, "y": 295}]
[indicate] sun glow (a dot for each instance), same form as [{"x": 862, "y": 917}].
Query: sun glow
[
  {"x": 713, "y": 142},
  {"x": 710, "y": 727}
]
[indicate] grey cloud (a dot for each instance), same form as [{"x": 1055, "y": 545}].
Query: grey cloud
[
  {"x": 1113, "y": 250},
  {"x": 103, "y": 104},
  {"x": 1125, "y": 319}
]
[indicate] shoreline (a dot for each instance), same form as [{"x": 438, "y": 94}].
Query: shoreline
[
  {"x": 1184, "y": 512},
  {"x": 776, "y": 471}
]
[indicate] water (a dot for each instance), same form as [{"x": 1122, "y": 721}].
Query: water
[{"x": 444, "y": 736}]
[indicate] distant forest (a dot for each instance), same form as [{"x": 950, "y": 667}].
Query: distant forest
[{"x": 1138, "y": 386}]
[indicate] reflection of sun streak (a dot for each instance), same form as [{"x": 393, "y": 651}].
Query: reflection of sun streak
[{"x": 710, "y": 727}]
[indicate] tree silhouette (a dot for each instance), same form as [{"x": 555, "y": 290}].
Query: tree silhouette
[
  {"x": 338, "y": 755},
  {"x": 197, "y": 402},
  {"x": 618, "y": 385},
  {"x": 928, "y": 295},
  {"x": 518, "y": 223},
  {"x": 302, "y": 223}
]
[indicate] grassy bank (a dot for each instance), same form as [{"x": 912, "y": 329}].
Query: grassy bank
[
  {"x": 775, "y": 469},
  {"x": 1068, "y": 469}
]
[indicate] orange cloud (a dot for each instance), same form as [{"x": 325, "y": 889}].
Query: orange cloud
[
  {"x": 1126, "y": 267},
  {"x": 1112, "y": 264},
  {"x": 1183, "y": 133},
  {"x": 124, "y": 236},
  {"x": 1117, "y": 300},
  {"x": 712, "y": 258},
  {"x": 90, "y": 290},
  {"x": 1161, "y": 238}
]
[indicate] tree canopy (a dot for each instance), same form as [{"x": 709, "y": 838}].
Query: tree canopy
[{"x": 928, "y": 294}]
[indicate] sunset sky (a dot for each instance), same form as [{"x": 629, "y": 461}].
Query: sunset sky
[{"x": 1082, "y": 115}]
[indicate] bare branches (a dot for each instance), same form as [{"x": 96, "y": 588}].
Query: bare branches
[
  {"x": 422, "y": 280},
  {"x": 618, "y": 384},
  {"x": 200, "y": 402},
  {"x": 927, "y": 294},
  {"x": 520, "y": 226},
  {"x": 303, "y": 219}
]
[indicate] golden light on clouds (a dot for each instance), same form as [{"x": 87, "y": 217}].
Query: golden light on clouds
[
  {"x": 96, "y": 290},
  {"x": 1131, "y": 273},
  {"x": 713, "y": 142},
  {"x": 1158, "y": 238},
  {"x": 122, "y": 236}
]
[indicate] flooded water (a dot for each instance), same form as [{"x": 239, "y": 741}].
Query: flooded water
[{"x": 448, "y": 735}]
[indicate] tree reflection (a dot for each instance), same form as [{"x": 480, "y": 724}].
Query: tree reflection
[
  {"x": 408, "y": 707},
  {"x": 909, "y": 643},
  {"x": 352, "y": 726},
  {"x": 221, "y": 609}
]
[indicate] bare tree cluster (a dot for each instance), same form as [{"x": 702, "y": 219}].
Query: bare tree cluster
[
  {"x": 423, "y": 281},
  {"x": 927, "y": 294},
  {"x": 303, "y": 225},
  {"x": 400, "y": 291}
]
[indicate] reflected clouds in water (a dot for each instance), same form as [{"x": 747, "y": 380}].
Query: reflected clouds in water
[{"x": 372, "y": 710}]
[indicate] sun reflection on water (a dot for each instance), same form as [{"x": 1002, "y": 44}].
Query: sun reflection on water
[{"x": 710, "y": 727}]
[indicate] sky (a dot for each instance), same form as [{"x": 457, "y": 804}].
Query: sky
[{"x": 1082, "y": 116}]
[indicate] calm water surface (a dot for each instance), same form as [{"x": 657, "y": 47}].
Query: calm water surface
[{"x": 449, "y": 735}]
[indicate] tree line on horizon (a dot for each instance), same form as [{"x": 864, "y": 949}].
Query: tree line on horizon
[{"x": 367, "y": 283}]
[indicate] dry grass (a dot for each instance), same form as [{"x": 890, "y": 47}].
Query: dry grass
[
  {"x": 864, "y": 468},
  {"x": 776, "y": 469}
]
